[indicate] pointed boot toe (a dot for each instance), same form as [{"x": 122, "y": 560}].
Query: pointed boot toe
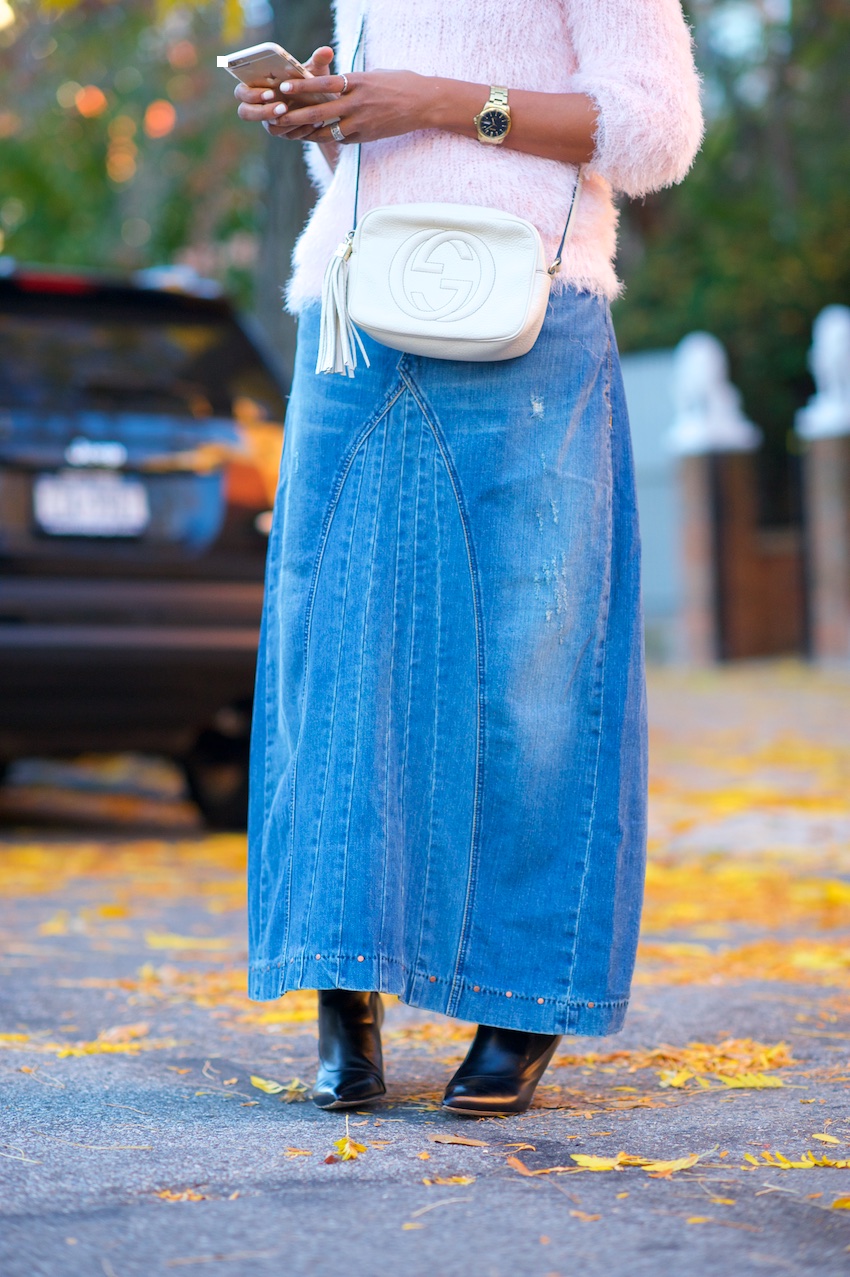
[
  {"x": 348, "y": 1090},
  {"x": 500, "y": 1073},
  {"x": 351, "y": 1067}
]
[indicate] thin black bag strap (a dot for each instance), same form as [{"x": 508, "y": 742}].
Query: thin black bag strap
[
  {"x": 358, "y": 63},
  {"x": 556, "y": 265}
]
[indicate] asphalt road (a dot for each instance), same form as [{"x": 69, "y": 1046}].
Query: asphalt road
[{"x": 133, "y": 1142}]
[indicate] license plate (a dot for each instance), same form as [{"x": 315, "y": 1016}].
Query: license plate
[{"x": 90, "y": 505}]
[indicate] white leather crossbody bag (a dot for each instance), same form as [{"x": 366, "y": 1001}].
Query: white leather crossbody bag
[{"x": 450, "y": 281}]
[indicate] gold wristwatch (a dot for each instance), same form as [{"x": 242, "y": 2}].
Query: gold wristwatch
[{"x": 493, "y": 121}]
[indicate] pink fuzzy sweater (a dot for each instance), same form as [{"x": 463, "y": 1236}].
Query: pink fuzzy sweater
[{"x": 632, "y": 57}]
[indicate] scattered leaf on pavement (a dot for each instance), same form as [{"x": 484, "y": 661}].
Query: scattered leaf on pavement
[
  {"x": 457, "y": 1139},
  {"x": 519, "y": 1165},
  {"x": 348, "y": 1148},
  {"x": 266, "y": 1084}
]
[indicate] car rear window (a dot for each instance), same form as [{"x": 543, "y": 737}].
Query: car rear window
[{"x": 116, "y": 361}]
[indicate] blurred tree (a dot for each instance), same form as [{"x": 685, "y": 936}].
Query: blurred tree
[
  {"x": 119, "y": 143},
  {"x": 757, "y": 240}
]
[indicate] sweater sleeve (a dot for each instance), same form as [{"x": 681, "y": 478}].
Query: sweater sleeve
[{"x": 635, "y": 61}]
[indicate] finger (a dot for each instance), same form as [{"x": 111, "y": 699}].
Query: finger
[
  {"x": 243, "y": 93},
  {"x": 261, "y": 111},
  {"x": 292, "y": 135},
  {"x": 317, "y": 84},
  {"x": 307, "y": 134},
  {"x": 321, "y": 60},
  {"x": 349, "y": 131},
  {"x": 292, "y": 129},
  {"x": 297, "y": 117}
]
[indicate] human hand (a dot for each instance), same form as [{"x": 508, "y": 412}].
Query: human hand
[
  {"x": 257, "y": 103},
  {"x": 369, "y": 105}
]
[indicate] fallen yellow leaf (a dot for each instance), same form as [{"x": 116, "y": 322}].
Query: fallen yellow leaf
[
  {"x": 180, "y": 1195},
  {"x": 266, "y": 1084},
  {"x": 58, "y": 925},
  {"x": 751, "y": 1081},
  {"x": 583, "y": 1216},
  {"x": 589, "y": 1163},
  {"x": 841, "y": 1203},
  {"x": 662, "y": 1170},
  {"x": 698, "y": 1219},
  {"x": 348, "y": 1148},
  {"x": 168, "y": 940},
  {"x": 677, "y": 1077},
  {"x": 450, "y": 1179},
  {"x": 112, "y": 911},
  {"x": 826, "y": 1139},
  {"x": 297, "y": 1152},
  {"x": 457, "y": 1139},
  {"x": 518, "y": 1165},
  {"x": 295, "y": 1091},
  {"x": 409, "y": 1227}
]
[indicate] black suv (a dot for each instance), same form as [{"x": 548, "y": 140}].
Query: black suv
[{"x": 140, "y": 438}]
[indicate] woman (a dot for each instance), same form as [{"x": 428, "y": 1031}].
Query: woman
[{"x": 449, "y": 764}]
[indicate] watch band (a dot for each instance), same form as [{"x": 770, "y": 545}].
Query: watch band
[{"x": 498, "y": 96}]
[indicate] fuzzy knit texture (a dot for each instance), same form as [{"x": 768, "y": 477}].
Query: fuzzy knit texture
[{"x": 634, "y": 58}]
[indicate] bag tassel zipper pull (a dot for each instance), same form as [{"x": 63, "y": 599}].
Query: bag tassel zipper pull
[{"x": 338, "y": 338}]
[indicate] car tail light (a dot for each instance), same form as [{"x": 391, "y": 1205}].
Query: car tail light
[{"x": 35, "y": 282}]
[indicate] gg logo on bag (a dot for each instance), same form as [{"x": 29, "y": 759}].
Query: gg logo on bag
[{"x": 440, "y": 275}]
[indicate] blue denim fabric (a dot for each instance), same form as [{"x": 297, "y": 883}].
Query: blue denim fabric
[{"x": 449, "y": 755}]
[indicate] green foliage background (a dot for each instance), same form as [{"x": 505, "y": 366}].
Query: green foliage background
[
  {"x": 756, "y": 241},
  {"x": 750, "y": 247},
  {"x": 198, "y": 190}
]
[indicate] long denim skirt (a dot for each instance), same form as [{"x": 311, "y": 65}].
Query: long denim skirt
[{"x": 449, "y": 755}]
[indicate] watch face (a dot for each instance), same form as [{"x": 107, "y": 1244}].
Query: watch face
[{"x": 494, "y": 123}]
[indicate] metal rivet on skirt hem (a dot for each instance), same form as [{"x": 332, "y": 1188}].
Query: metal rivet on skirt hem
[
  {"x": 433, "y": 979},
  {"x": 476, "y": 988},
  {"x": 360, "y": 958}
]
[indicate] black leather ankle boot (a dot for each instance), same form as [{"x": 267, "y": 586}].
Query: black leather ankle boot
[
  {"x": 500, "y": 1072},
  {"x": 351, "y": 1067}
]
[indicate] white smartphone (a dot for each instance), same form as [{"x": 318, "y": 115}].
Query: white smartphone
[{"x": 266, "y": 66}]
